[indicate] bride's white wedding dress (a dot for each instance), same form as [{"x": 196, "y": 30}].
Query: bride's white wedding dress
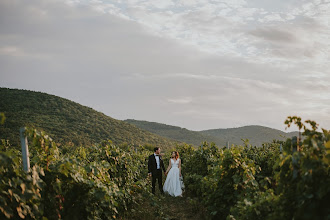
[{"x": 172, "y": 183}]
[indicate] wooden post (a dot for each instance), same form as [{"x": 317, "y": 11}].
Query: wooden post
[
  {"x": 299, "y": 141},
  {"x": 25, "y": 151},
  {"x": 294, "y": 144},
  {"x": 294, "y": 160},
  {"x": 227, "y": 144}
]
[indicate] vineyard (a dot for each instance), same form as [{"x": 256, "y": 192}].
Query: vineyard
[{"x": 105, "y": 181}]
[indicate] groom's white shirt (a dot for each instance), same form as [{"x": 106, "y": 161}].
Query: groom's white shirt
[{"x": 157, "y": 161}]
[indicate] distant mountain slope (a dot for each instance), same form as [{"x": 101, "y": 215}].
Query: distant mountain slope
[
  {"x": 256, "y": 134},
  {"x": 176, "y": 133},
  {"x": 67, "y": 121}
]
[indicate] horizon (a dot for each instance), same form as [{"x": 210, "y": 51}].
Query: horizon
[
  {"x": 193, "y": 64},
  {"x": 288, "y": 130}
]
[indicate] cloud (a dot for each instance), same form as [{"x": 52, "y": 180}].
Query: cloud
[
  {"x": 273, "y": 34},
  {"x": 197, "y": 64},
  {"x": 11, "y": 51},
  {"x": 271, "y": 17},
  {"x": 184, "y": 100},
  {"x": 223, "y": 27}
]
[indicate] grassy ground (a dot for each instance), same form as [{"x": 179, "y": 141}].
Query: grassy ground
[
  {"x": 165, "y": 207},
  {"x": 176, "y": 208}
]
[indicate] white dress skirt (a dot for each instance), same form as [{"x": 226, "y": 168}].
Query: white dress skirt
[{"x": 172, "y": 183}]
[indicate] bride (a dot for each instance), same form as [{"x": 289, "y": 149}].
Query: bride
[{"x": 172, "y": 183}]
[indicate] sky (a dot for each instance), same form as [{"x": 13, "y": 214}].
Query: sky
[{"x": 197, "y": 64}]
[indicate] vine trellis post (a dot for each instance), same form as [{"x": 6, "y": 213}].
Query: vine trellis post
[
  {"x": 294, "y": 144},
  {"x": 25, "y": 151}
]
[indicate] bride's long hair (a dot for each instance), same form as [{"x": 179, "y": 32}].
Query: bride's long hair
[{"x": 176, "y": 154}]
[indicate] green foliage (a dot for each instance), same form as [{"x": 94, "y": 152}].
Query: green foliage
[
  {"x": 2, "y": 118},
  {"x": 229, "y": 176},
  {"x": 195, "y": 166},
  {"x": 19, "y": 192},
  {"x": 99, "y": 182},
  {"x": 105, "y": 181},
  {"x": 67, "y": 121},
  {"x": 303, "y": 181},
  {"x": 264, "y": 183}
]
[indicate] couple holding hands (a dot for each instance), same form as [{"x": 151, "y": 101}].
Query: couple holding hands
[{"x": 173, "y": 186}]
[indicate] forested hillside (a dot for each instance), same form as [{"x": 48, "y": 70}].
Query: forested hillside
[
  {"x": 67, "y": 121},
  {"x": 257, "y": 135},
  {"x": 176, "y": 133}
]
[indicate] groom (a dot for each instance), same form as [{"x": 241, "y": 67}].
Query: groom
[{"x": 155, "y": 167}]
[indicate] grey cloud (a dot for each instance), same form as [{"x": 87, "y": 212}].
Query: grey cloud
[
  {"x": 273, "y": 34},
  {"x": 308, "y": 23},
  {"x": 299, "y": 40},
  {"x": 119, "y": 68}
]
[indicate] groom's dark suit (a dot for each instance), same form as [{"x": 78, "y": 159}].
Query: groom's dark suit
[{"x": 156, "y": 173}]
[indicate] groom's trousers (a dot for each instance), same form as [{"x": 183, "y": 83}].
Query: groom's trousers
[{"x": 157, "y": 176}]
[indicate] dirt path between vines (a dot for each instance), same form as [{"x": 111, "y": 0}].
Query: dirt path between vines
[
  {"x": 165, "y": 207},
  {"x": 176, "y": 208}
]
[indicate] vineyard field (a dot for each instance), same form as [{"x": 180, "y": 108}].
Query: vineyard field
[{"x": 105, "y": 181}]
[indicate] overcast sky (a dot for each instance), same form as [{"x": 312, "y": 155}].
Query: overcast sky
[{"x": 198, "y": 64}]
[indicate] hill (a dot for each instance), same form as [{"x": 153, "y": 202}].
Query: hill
[
  {"x": 67, "y": 121},
  {"x": 176, "y": 133},
  {"x": 256, "y": 134}
]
